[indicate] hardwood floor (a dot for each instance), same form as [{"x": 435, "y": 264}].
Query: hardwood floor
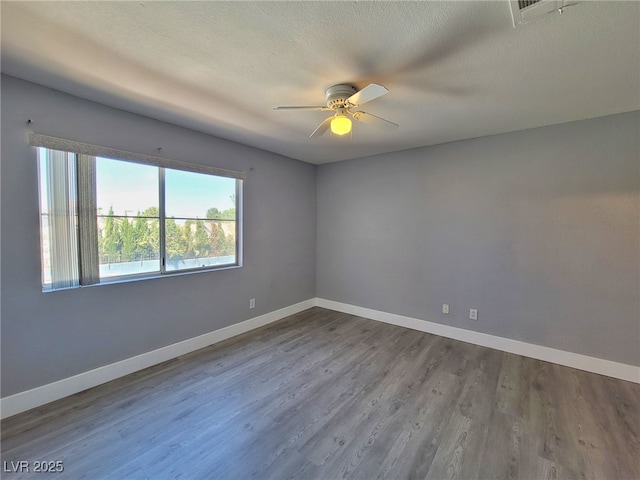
[{"x": 326, "y": 395}]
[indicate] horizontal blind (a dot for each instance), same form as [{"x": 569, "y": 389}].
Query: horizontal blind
[{"x": 61, "y": 144}]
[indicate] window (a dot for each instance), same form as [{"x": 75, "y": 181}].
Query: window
[{"x": 106, "y": 219}]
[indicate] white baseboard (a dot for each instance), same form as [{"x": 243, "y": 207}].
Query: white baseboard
[
  {"x": 35, "y": 397},
  {"x": 44, "y": 394},
  {"x": 622, "y": 371}
]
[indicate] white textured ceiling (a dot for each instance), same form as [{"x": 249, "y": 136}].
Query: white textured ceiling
[{"x": 455, "y": 70}]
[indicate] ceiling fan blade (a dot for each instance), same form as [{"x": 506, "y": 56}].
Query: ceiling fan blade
[
  {"x": 365, "y": 117},
  {"x": 368, "y": 93},
  {"x": 302, "y": 107},
  {"x": 322, "y": 128}
]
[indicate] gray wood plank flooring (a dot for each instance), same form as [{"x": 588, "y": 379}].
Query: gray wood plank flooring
[{"x": 325, "y": 395}]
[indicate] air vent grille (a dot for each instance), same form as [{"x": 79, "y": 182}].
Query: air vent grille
[
  {"x": 524, "y": 11},
  {"x": 522, "y": 4}
]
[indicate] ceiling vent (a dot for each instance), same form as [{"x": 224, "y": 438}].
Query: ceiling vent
[{"x": 523, "y": 11}]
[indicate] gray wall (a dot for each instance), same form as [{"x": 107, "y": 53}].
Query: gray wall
[
  {"x": 538, "y": 230},
  {"x": 50, "y": 336}
]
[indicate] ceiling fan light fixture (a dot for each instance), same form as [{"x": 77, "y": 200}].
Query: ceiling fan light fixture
[
  {"x": 340, "y": 125},
  {"x": 341, "y": 98}
]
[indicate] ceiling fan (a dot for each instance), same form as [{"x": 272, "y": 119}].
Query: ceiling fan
[{"x": 341, "y": 99}]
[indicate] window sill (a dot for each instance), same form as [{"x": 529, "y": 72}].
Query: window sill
[{"x": 142, "y": 277}]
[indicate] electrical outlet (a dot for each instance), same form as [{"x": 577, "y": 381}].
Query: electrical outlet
[
  {"x": 473, "y": 314},
  {"x": 252, "y": 303},
  {"x": 445, "y": 308}
]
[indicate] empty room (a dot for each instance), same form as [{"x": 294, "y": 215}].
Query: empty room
[{"x": 320, "y": 240}]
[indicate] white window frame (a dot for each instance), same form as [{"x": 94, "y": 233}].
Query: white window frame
[{"x": 78, "y": 148}]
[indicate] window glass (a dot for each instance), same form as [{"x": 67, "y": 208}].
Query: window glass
[
  {"x": 45, "y": 234},
  {"x": 200, "y": 225},
  {"x": 128, "y": 218}
]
